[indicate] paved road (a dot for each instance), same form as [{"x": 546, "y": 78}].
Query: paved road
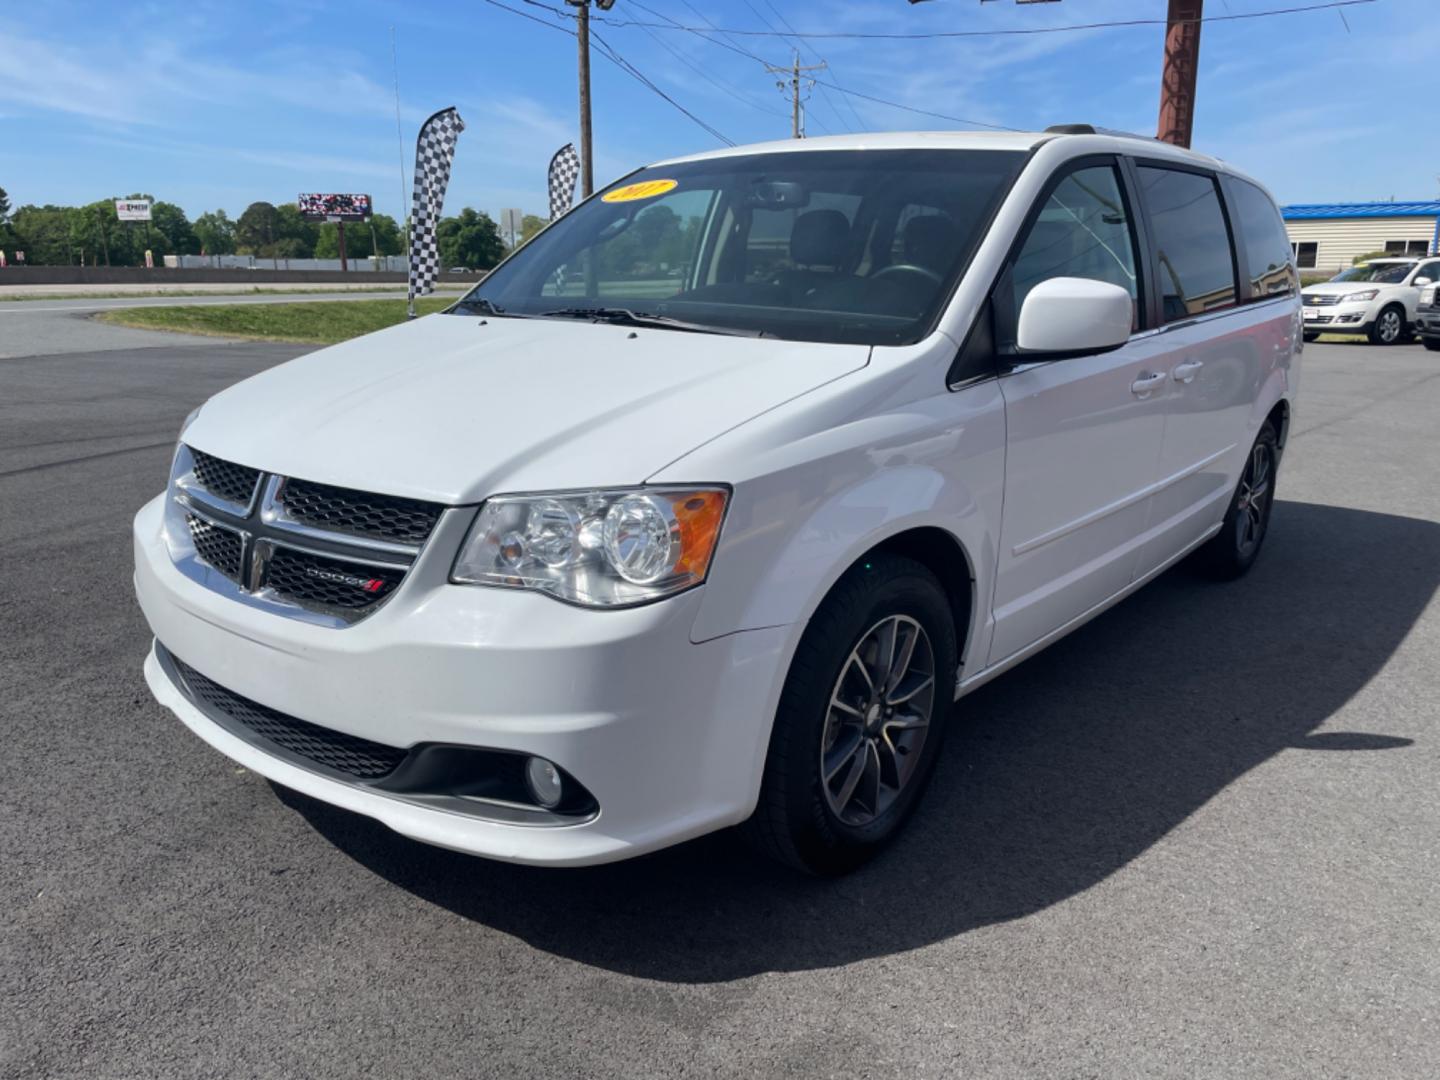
[
  {"x": 1195, "y": 839},
  {"x": 51, "y": 327}
]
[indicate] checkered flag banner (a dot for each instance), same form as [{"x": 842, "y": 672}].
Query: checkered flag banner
[
  {"x": 564, "y": 169},
  {"x": 434, "y": 150}
]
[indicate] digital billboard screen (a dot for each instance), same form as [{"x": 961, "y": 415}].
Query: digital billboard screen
[{"x": 334, "y": 207}]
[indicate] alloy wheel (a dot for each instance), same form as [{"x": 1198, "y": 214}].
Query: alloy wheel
[
  {"x": 1254, "y": 498},
  {"x": 877, "y": 720},
  {"x": 1390, "y": 326}
]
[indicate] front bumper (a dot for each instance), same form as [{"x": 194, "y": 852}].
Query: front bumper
[
  {"x": 1353, "y": 318},
  {"x": 668, "y": 736},
  {"x": 1427, "y": 322}
]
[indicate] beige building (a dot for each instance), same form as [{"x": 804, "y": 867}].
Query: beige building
[{"x": 1329, "y": 236}]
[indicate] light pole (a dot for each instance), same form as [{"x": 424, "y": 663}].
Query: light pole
[{"x": 582, "y": 35}]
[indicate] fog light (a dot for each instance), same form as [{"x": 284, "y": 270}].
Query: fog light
[{"x": 544, "y": 781}]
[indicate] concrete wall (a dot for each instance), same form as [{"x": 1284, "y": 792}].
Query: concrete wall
[
  {"x": 1340, "y": 240},
  {"x": 139, "y": 275},
  {"x": 394, "y": 264}
]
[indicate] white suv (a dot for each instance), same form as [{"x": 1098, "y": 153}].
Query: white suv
[
  {"x": 706, "y": 505},
  {"x": 1377, "y": 298}
]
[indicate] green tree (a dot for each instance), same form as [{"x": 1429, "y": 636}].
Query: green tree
[
  {"x": 530, "y": 224},
  {"x": 170, "y": 222},
  {"x": 4, "y": 207},
  {"x": 43, "y": 233},
  {"x": 378, "y": 236},
  {"x": 294, "y": 236},
  {"x": 471, "y": 240},
  {"x": 256, "y": 231},
  {"x": 215, "y": 233}
]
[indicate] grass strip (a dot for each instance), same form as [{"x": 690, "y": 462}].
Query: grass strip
[
  {"x": 239, "y": 290},
  {"x": 314, "y": 323}
]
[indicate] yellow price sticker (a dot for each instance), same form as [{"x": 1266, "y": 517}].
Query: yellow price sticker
[{"x": 645, "y": 189}]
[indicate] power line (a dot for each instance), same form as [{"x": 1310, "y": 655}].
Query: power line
[
  {"x": 859, "y": 124},
  {"x": 736, "y": 48},
  {"x": 1003, "y": 32},
  {"x": 608, "y": 51},
  {"x": 729, "y": 89},
  {"x": 795, "y": 45}
]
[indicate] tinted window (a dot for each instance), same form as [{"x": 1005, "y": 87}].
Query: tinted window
[
  {"x": 1305, "y": 253},
  {"x": 1267, "y": 248},
  {"x": 1192, "y": 245},
  {"x": 800, "y": 244},
  {"x": 1083, "y": 231},
  {"x": 1430, "y": 270}
]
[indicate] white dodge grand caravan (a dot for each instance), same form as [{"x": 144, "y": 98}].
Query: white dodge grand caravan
[{"x": 706, "y": 505}]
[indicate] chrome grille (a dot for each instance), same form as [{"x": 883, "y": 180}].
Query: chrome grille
[
  {"x": 358, "y": 513},
  {"x": 231, "y": 482},
  {"x": 325, "y": 554},
  {"x": 316, "y": 581},
  {"x": 1320, "y": 299},
  {"x": 219, "y": 547}
]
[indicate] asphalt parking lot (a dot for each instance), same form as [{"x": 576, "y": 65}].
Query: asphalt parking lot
[{"x": 1197, "y": 838}]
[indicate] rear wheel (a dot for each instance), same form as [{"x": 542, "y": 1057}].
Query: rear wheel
[
  {"x": 1234, "y": 549},
  {"x": 1389, "y": 326},
  {"x": 860, "y": 721}
]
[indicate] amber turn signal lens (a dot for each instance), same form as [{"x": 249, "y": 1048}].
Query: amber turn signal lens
[{"x": 699, "y": 515}]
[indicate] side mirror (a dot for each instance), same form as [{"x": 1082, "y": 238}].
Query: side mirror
[
  {"x": 1068, "y": 316},
  {"x": 1422, "y": 281}
]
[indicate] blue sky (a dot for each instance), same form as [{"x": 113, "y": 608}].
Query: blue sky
[{"x": 215, "y": 105}]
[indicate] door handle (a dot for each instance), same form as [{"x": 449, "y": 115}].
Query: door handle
[
  {"x": 1147, "y": 383},
  {"x": 1186, "y": 372}
]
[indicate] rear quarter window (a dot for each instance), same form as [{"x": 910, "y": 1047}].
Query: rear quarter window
[{"x": 1263, "y": 239}]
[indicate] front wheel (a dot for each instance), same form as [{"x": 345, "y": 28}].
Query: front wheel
[
  {"x": 1310, "y": 335},
  {"x": 860, "y": 720},
  {"x": 1234, "y": 549},
  {"x": 1389, "y": 326}
]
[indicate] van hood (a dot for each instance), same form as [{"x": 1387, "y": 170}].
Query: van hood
[{"x": 455, "y": 408}]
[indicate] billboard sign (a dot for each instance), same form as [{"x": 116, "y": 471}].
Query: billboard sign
[
  {"x": 132, "y": 209},
  {"x": 334, "y": 207}
]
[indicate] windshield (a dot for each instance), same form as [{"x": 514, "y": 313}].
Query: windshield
[
  {"x": 860, "y": 246},
  {"x": 1385, "y": 273}
]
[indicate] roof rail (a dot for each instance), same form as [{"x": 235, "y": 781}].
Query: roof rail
[{"x": 1091, "y": 129}]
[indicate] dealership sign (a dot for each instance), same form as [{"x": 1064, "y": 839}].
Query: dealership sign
[{"x": 132, "y": 209}]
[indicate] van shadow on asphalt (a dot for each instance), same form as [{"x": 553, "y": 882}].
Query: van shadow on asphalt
[{"x": 1053, "y": 777}]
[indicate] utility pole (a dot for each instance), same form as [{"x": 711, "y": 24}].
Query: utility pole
[
  {"x": 791, "y": 87},
  {"x": 582, "y": 36},
  {"x": 1177, "y": 78}
]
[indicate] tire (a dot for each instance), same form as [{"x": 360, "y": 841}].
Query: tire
[
  {"x": 1233, "y": 550},
  {"x": 824, "y": 828},
  {"x": 1310, "y": 335},
  {"x": 1432, "y": 343},
  {"x": 1389, "y": 326}
]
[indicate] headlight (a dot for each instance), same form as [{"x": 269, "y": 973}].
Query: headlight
[
  {"x": 1367, "y": 294},
  {"x": 597, "y": 548}
]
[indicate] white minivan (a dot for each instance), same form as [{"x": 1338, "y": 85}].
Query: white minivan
[{"x": 705, "y": 506}]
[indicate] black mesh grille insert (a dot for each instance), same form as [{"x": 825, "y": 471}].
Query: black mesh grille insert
[
  {"x": 359, "y": 513},
  {"x": 348, "y": 754},
  {"x": 217, "y": 546},
  {"x": 225, "y": 479},
  {"x": 315, "y": 581}
]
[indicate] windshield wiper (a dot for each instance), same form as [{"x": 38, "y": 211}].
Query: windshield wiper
[
  {"x": 487, "y": 307},
  {"x": 626, "y": 317}
]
